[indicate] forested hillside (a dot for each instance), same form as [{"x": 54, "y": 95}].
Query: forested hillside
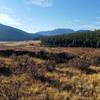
[{"x": 78, "y": 39}]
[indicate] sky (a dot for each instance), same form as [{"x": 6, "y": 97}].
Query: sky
[{"x": 41, "y": 15}]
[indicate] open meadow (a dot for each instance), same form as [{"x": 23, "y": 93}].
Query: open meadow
[{"x": 31, "y": 71}]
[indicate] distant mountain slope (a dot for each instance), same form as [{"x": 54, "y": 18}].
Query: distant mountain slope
[
  {"x": 8, "y": 33},
  {"x": 82, "y": 30},
  {"x": 56, "y": 32}
]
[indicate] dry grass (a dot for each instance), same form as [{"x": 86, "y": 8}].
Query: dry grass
[{"x": 33, "y": 80}]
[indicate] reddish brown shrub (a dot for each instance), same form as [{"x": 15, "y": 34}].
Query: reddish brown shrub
[{"x": 79, "y": 63}]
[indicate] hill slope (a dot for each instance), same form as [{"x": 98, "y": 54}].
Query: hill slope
[
  {"x": 8, "y": 33},
  {"x": 59, "y": 31}
]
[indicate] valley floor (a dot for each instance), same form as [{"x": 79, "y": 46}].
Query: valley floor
[{"x": 30, "y": 71}]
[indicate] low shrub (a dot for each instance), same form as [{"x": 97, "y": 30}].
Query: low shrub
[
  {"x": 26, "y": 64},
  {"x": 96, "y": 61},
  {"x": 79, "y": 63},
  {"x": 5, "y": 69}
]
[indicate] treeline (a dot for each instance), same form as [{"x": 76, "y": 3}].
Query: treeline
[{"x": 78, "y": 39}]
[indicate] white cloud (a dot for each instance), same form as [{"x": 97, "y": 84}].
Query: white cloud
[
  {"x": 7, "y": 17},
  {"x": 80, "y": 24},
  {"x": 8, "y": 20},
  {"x": 42, "y": 3},
  {"x": 90, "y": 26},
  {"x": 83, "y": 25},
  {"x": 77, "y": 20},
  {"x": 98, "y": 18},
  {"x": 97, "y": 22}
]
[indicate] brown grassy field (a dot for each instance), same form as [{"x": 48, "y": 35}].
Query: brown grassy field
[{"x": 30, "y": 71}]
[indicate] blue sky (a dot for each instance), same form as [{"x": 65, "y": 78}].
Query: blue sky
[{"x": 40, "y": 15}]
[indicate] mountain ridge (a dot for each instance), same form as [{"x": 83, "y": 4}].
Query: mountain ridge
[
  {"x": 58, "y": 31},
  {"x": 8, "y": 33}
]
